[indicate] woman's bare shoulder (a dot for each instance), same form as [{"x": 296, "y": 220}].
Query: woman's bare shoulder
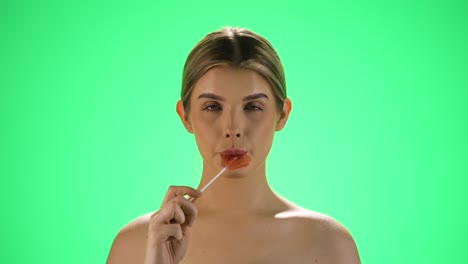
[
  {"x": 308, "y": 217},
  {"x": 136, "y": 225},
  {"x": 333, "y": 238},
  {"x": 129, "y": 243}
]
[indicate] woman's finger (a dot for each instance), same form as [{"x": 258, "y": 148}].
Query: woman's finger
[
  {"x": 170, "y": 231},
  {"x": 189, "y": 209},
  {"x": 175, "y": 191},
  {"x": 179, "y": 216},
  {"x": 178, "y": 210}
]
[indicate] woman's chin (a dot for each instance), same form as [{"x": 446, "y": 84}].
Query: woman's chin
[{"x": 237, "y": 173}]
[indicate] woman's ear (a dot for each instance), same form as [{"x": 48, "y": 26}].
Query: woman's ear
[
  {"x": 183, "y": 116},
  {"x": 284, "y": 115}
]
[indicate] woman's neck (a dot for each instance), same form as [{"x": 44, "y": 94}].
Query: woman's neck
[{"x": 237, "y": 193}]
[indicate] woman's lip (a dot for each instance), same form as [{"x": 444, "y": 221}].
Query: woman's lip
[{"x": 233, "y": 152}]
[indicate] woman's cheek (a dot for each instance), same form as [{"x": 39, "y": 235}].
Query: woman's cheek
[
  {"x": 207, "y": 129},
  {"x": 262, "y": 131}
]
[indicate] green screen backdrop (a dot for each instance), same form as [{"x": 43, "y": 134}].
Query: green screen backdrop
[{"x": 377, "y": 137}]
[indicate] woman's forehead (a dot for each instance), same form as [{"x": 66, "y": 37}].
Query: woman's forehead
[{"x": 229, "y": 82}]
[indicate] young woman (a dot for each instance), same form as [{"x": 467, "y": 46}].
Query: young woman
[{"x": 233, "y": 100}]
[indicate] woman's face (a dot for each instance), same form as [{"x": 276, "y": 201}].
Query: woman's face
[{"x": 233, "y": 109}]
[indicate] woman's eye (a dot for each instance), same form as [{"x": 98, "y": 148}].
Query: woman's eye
[
  {"x": 211, "y": 108},
  {"x": 253, "y": 108}
]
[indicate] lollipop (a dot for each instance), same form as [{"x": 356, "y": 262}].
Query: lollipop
[{"x": 235, "y": 162}]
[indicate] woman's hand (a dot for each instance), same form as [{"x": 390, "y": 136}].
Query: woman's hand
[{"x": 168, "y": 229}]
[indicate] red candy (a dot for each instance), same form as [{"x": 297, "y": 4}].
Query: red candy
[{"x": 235, "y": 162}]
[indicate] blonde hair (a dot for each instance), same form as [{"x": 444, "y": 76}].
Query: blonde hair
[{"x": 239, "y": 48}]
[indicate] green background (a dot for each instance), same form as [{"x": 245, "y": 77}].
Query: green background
[{"x": 377, "y": 137}]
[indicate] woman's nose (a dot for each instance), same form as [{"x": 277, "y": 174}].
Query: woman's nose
[
  {"x": 232, "y": 129},
  {"x": 231, "y": 134}
]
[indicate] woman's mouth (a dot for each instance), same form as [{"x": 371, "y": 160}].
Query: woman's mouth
[
  {"x": 233, "y": 152},
  {"x": 234, "y": 159}
]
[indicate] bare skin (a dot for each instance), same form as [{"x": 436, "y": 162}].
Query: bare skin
[{"x": 238, "y": 219}]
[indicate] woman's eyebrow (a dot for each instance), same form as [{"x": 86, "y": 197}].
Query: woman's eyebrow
[
  {"x": 211, "y": 96},
  {"x": 219, "y": 98},
  {"x": 255, "y": 96}
]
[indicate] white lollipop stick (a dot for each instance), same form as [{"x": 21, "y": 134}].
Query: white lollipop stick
[
  {"x": 214, "y": 179},
  {"x": 211, "y": 181}
]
